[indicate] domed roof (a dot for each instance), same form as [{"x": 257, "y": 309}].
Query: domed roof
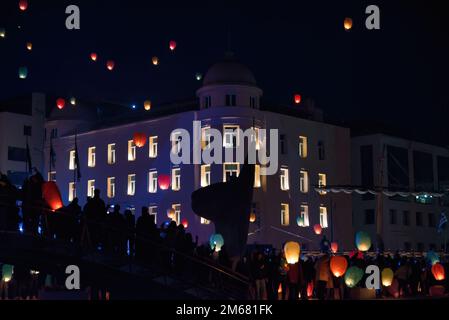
[
  {"x": 229, "y": 71},
  {"x": 80, "y": 111}
]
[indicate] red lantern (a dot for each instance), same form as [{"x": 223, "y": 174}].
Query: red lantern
[
  {"x": 110, "y": 65},
  {"x": 93, "y": 56},
  {"x": 185, "y": 223},
  {"x": 51, "y": 195},
  {"x": 164, "y": 181},
  {"x": 334, "y": 247},
  {"x": 23, "y": 5},
  {"x": 310, "y": 289},
  {"x": 317, "y": 228},
  {"x": 140, "y": 139},
  {"x": 298, "y": 98},
  {"x": 172, "y": 45},
  {"x": 60, "y": 103},
  {"x": 338, "y": 265},
  {"x": 438, "y": 272}
]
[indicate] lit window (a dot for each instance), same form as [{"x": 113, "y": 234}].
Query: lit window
[
  {"x": 177, "y": 208},
  {"x": 111, "y": 153},
  {"x": 257, "y": 183},
  {"x": 204, "y": 221},
  {"x": 302, "y": 147},
  {"x": 205, "y": 138},
  {"x": 153, "y": 212},
  {"x": 131, "y": 184},
  {"x": 52, "y": 176},
  {"x": 303, "y": 181},
  {"x": 284, "y": 179},
  {"x": 322, "y": 182},
  {"x": 285, "y": 214},
  {"x": 153, "y": 147},
  {"x": 72, "y": 191},
  {"x": 91, "y": 157},
  {"x": 176, "y": 142},
  {"x": 205, "y": 175},
  {"x": 304, "y": 216},
  {"x": 230, "y": 170},
  {"x": 90, "y": 188},
  {"x": 72, "y": 162},
  {"x": 176, "y": 179},
  {"x": 323, "y": 217},
  {"x": 111, "y": 187},
  {"x": 131, "y": 150},
  {"x": 230, "y": 137},
  {"x": 152, "y": 182}
]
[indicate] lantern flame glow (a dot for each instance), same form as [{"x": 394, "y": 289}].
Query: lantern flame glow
[{"x": 292, "y": 250}]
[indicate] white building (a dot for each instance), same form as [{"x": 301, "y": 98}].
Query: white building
[
  {"x": 408, "y": 223},
  {"x": 310, "y": 153}
]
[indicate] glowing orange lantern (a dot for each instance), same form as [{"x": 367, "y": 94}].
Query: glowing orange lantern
[
  {"x": 140, "y": 139},
  {"x": 348, "y": 24},
  {"x": 164, "y": 181},
  {"x": 318, "y": 229},
  {"x": 171, "y": 213},
  {"x": 438, "y": 272},
  {"x": 334, "y": 247},
  {"x": 310, "y": 289},
  {"x": 298, "y": 98},
  {"x": 387, "y": 277},
  {"x": 60, "y": 103},
  {"x": 338, "y": 265},
  {"x": 29, "y": 46},
  {"x": 172, "y": 45},
  {"x": 110, "y": 65},
  {"x": 292, "y": 250},
  {"x": 51, "y": 195},
  {"x": 155, "y": 61},
  {"x": 23, "y": 5},
  {"x": 185, "y": 223},
  {"x": 252, "y": 217},
  {"x": 93, "y": 56},
  {"x": 280, "y": 288},
  {"x": 147, "y": 105}
]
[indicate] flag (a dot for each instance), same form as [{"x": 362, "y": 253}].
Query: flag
[
  {"x": 28, "y": 155},
  {"x": 52, "y": 155},
  {"x": 443, "y": 222},
  {"x": 77, "y": 161}
]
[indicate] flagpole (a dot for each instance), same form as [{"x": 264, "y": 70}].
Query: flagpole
[{"x": 74, "y": 167}]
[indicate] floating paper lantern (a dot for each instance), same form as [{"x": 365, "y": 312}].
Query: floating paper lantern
[
  {"x": 171, "y": 213},
  {"x": 432, "y": 257},
  {"x": 93, "y": 56},
  {"x": 291, "y": 251},
  {"x": 7, "y": 271},
  {"x": 310, "y": 289},
  {"x": 110, "y": 65},
  {"x": 140, "y": 139},
  {"x": 199, "y": 76},
  {"x": 23, "y": 72},
  {"x": 164, "y": 181},
  {"x": 147, "y": 105},
  {"x": 173, "y": 45},
  {"x": 23, "y": 5},
  {"x": 155, "y": 61},
  {"x": 60, "y": 103},
  {"x": 216, "y": 242},
  {"x": 280, "y": 288},
  {"x": 73, "y": 101},
  {"x": 334, "y": 247},
  {"x": 438, "y": 272},
  {"x": 348, "y": 24},
  {"x": 363, "y": 241},
  {"x": 185, "y": 223},
  {"x": 300, "y": 221},
  {"x": 29, "y": 46},
  {"x": 297, "y": 98},
  {"x": 338, "y": 265},
  {"x": 387, "y": 277},
  {"x": 2, "y": 32},
  {"x": 353, "y": 276},
  {"x": 252, "y": 217},
  {"x": 51, "y": 195},
  {"x": 318, "y": 229}
]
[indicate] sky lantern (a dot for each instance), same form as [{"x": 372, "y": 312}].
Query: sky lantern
[
  {"x": 7, "y": 271},
  {"x": 432, "y": 257},
  {"x": 171, "y": 213},
  {"x": 110, "y": 65},
  {"x": 73, "y": 101},
  {"x": 310, "y": 289},
  {"x": 387, "y": 277},
  {"x": 173, "y": 45},
  {"x": 291, "y": 251},
  {"x": 23, "y": 5},
  {"x": 140, "y": 139},
  {"x": 438, "y": 272},
  {"x": 93, "y": 56},
  {"x": 23, "y": 72},
  {"x": 29, "y": 46},
  {"x": 338, "y": 265},
  {"x": 334, "y": 247},
  {"x": 185, "y": 223},
  {"x": 147, "y": 105},
  {"x": 198, "y": 76},
  {"x": 164, "y": 181},
  {"x": 155, "y": 61},
  {"x": 51, "y": 195},
  {"x": 363, "y": 241},
  {"x": 353, "y": 276},
  {"x": 2, "y": 32},
  {"x": 347, "y": 24},
  {"x": 297, "y": 98},
  {"x": 318, "y": 229},
  {"x": 60, "y": 103},
  {"x": 216, "y": 242},
  {"x": 252, "y": 217}
]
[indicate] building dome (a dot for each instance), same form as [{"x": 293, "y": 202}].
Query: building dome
[
  {"x": 81, "y": 112},
  {"x": 229, "y": 72}
]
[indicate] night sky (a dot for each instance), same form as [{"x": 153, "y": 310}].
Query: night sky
[{"x": 396, "y": 76}]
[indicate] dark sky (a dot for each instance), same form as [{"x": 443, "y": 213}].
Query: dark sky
[{"x": 397, "y": 75}]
